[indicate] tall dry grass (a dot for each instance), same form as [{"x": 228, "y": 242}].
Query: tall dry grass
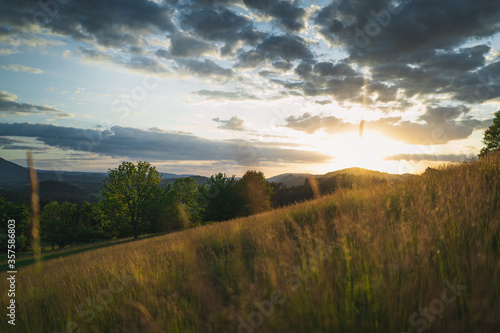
[{"x": 356, "y": 261}]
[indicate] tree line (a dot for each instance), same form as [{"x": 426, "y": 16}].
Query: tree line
[{"x": 134, "y": 203}]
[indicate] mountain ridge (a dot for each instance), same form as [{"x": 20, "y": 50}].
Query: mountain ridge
[{"x": 297, "y": 179}]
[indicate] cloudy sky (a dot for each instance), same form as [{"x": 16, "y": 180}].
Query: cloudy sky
[{"x": 207, "y": 86}]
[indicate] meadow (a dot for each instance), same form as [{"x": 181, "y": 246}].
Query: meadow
[{"x": 417, "y": 255}]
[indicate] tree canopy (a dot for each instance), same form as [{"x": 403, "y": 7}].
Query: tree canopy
[
  {"x": 492, "y": 136},
  {"x": 129, "y": 190},
  {"x": 255, "y": 191}
]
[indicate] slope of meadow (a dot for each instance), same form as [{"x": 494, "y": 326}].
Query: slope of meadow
[{"x": 419, "y": 255}]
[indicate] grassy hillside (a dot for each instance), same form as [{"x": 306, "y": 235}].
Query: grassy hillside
[{"x": 355, "y": 261}]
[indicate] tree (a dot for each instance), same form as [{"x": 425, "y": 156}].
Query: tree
[
  {"x": 182, "y": 205},
  {"x": 129, "y": 192},
  {"x": 492, "y": 136},
  {"x": 220, "y": 199},
  {"x": 256, "y": 192},
  {"x": 59, "y": 223},
  {"x": 21, "y": 214},
  {"x": 88, "y": 224}
]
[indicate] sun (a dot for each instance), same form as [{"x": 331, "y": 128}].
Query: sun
[{"x": 367, "y": 151}]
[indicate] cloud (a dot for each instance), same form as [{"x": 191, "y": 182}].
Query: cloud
[
  {"x": 9, "y": 107},
  {"x": 156, "y": 145},
  {"x": 110, "y": 23},
  {"x": 310, "y": 124},
  {"x": 7, "y": 141},
  {"x": 219, "y": 24},
  {"x": 225, "y": 95},
  {"x": 379, "y": 30},
  {"x": 442, "y": 125},
  {"x": 21, "y": 68},
  {"x": 235, "y": 123},
  {"x": 283, "y": 47},
  {"x": 206, "y": 68},
  {"x": 4, "y": 52},
  {"x": 443, "y": 114},
  {"x": 183, "y": 45},
  {"x": 284, "y": 13},
  {"x": 386, "y": 53},
  {"x": 429, "y": 157},
  {"x": 138, "y": 63}
]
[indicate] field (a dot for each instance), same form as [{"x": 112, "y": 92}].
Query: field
[{"x": 418, "y": 255}]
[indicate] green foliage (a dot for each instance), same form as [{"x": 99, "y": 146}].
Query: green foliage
[
  {"x": 21, "y": 214},
  {"x": 220, "y": 199},
  {"x": 59, "y": 223},
  {"x": 255, "y": 191},
  {"x": 129, "y": 192},
  {"x": 492, "y": 136}
]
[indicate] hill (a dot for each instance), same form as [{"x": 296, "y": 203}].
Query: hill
[
  {"x": 290, "y": 179},
  {"x": 12, "y": 175},
  {"x": 390, "y": 258},
  {"x": 297, "y": 179},
  {"x": 80, "y": 186}
]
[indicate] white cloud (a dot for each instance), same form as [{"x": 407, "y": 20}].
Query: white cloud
[{"x": 22, "y": 68}]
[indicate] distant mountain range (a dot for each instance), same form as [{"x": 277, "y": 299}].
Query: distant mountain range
[
  {"x": 62, "y": 185},
  {"x": 297, "y": 179},
  {"x": 15, "y": 176},
  {"x": 81, "y": 186}
]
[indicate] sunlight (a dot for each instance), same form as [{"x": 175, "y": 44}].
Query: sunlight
[{"x": 368, "y": 151}]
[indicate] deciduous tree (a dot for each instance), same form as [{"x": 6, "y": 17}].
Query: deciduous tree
[
  {"x": 129, "y": 191},
  {"x": 492, "y": 136}
]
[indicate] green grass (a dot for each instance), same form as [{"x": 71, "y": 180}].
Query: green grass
[
  {"x": 26, "y": 258},
  {"x": 355, "y": 261}
]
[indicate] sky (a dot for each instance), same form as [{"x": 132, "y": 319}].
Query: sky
[{"x": 206, "y": 86}]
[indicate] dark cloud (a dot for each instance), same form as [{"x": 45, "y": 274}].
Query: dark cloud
[
  {"x": 183, "y": 45},
  {"x": 464, "y": 59},
  {"x": 395, "y": 52},
  {"x": 310, "y": 124},
  {"x": 285, "y": 13},
  {"x": 110, "y": 23},
  {"x": 9, "y": 106},
  {"x": 384, "y": 30},
  {"x": 385, "y": 93},
  {"x": 282, "y": 65},
  {"x": 219, "y": 24},
  {"x": 156, "y": 145},
  {"x": 285, "y": 48},
  {"x": 235, "y": 123},
  {"x": 476, "y": 87},
  {"x": 207, "y": 68},
  {"x": 7, "y": 141},
  {"x": 443, "y": 114},
  {"x": 325, "y": 78},
  {"x": 327, "y": 68}
]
